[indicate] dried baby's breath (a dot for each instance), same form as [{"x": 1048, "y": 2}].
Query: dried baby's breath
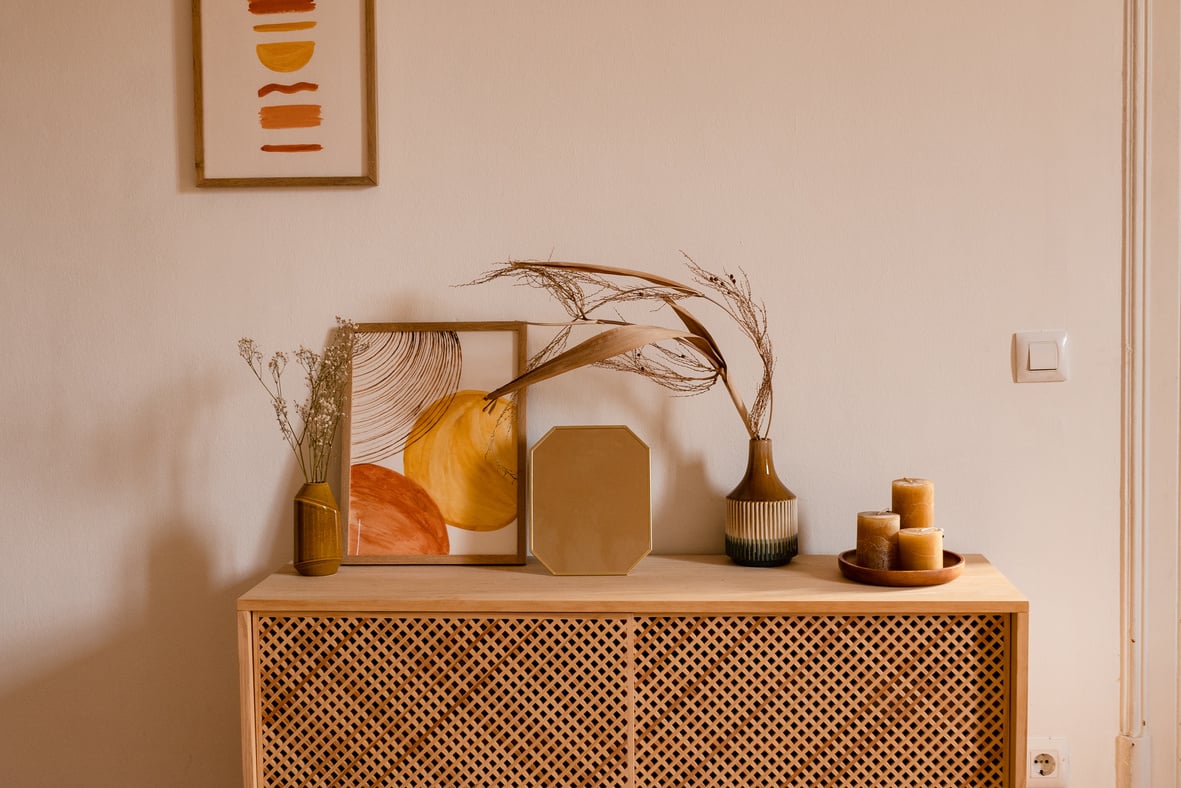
[{"x": 326, "y": 377}]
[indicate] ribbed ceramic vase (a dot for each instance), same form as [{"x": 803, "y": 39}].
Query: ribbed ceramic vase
[
  {"x": 761, "y": 522},
  {"x": 317, "y": 530}
]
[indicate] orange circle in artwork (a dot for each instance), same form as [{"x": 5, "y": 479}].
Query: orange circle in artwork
[
  {"x": 467, "y": 461},
  {"x": 285, "y": 56}
]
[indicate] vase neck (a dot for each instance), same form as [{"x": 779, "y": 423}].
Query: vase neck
[
  {"x": 761, "y": 481},
  {"x": 761, "y": 457}
]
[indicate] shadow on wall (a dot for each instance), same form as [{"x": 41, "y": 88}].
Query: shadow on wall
[
  {"x": 157, "y": 703},
  {"x": 688, "y": 491},
  {"x": 158, "y": 699}
]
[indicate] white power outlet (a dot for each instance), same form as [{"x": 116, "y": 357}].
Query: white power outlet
[{"x": 1049, "y": 762}]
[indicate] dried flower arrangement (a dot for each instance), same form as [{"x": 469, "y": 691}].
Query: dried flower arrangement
[
  {"x": 326, "y": 377},
  {"x": 685, "y": 360}
]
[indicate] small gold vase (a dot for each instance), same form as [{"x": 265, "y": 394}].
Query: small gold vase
[
  {"x": 317, "y": 530},
  {"x": 761, "y": 522}
]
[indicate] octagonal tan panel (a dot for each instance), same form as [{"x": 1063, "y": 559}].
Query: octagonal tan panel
[{"x": 590, "y": 502}]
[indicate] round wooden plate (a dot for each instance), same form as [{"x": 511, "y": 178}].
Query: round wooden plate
[{"x": 953, "y": 567}]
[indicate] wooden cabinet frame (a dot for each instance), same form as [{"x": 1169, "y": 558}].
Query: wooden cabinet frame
[{"x": 690, "y": 670}]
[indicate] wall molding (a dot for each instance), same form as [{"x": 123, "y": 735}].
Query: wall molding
[
  {"x": 1133, "y": 745},
  {"x": 1149, "y": 744}
]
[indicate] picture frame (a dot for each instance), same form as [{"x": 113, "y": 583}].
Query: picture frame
[
  {"x": 284, "y": 93},
  {"x": 431, "y": 472}
]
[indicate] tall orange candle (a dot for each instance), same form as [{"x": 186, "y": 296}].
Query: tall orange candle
[
  {"x": 920, "y": 548},
  {"x": 877, "y": 540},
  {"x": 914, "y": 500}
]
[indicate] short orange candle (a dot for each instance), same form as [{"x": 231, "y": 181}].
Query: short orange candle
[
  {"x": 914, "y": 500},
  {"x": 877, "y": 540},
  {"x": 920, "y": 548}
]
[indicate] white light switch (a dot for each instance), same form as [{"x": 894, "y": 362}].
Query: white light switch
[
  {"x": 1043, "y": 355},
  {"x": 1040, "y": 356}
]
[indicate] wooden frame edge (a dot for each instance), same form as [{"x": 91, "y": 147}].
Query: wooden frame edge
[
  {"x": 1019, "y": 696},
  {"x": 247, "y": 688}
]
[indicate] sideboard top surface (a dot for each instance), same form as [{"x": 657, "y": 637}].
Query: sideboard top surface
[{"x": 668, "y": 584}]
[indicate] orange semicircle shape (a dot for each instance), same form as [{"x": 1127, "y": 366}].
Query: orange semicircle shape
[
  {"x": 390, "y": 514},
  {"x": 285, "y": 56}
]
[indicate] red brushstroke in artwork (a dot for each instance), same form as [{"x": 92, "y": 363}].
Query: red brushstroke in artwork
[
  {"x": 281, "y": 6},
  {"x": 275, "y": 87},
  {"x": 305, "y": 148}
]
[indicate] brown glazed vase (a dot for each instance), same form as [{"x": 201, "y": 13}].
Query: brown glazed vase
[
  {"x": 761, "y": 521},
  {"x": 317, "y": 530}
]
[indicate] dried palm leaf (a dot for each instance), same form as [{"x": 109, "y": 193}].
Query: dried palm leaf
[
  {"x": 584, "y": 289},
  {"x": 612, "y": 342}
]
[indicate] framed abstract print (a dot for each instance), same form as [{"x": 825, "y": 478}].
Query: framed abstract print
[
  {"x": 432, "y": 472},
  {"x": 284, "y": 92}
]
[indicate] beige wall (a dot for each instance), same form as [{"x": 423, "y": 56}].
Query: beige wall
[{"x": 905, "y": 183}]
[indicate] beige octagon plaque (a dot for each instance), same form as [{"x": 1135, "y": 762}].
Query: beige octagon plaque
[{"x": 590, "y": 504}]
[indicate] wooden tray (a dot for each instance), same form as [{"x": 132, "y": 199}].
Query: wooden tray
[{"x": 953, "y": 567}]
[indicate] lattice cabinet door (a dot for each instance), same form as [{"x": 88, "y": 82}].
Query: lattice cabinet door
[
  {"x": 345, "y": 700},
  {"x": 873, "y": 701}
]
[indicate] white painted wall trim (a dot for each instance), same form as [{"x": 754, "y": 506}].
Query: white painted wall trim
[
  {"x": 1133, "y": 741},
  {"x": 1148, "y": 746}
]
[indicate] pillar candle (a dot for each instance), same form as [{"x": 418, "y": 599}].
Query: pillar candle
[
  {"x": 877, "y": 540},
  {"x": 920, "y": 548},
  {"x": 914, "y": 500}
]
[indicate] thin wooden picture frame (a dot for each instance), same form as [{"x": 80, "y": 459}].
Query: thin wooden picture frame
[
  {"x": 432, "y": 473},
  {"x": 284, "y": 93}
]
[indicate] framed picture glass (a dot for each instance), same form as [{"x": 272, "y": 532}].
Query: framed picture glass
[
  {"x": 284, "y": 92},
  {"x": 432, "y": 472}
]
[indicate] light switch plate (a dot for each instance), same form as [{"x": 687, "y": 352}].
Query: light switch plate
[
  {"x": 1032, "y": 354},
  {"x": 1043, "y": 356}
]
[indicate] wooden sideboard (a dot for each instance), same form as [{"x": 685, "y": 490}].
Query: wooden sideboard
[{"x": 689, "y": 671}]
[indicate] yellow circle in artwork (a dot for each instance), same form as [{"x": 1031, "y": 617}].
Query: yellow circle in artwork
[
  {"x": 285, "y": 56},
  {"x": 468, "y": 462}
]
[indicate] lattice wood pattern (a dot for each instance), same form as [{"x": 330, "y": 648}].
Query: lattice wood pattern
[
  {"x": 875, "y": 701},
  {"x": 351, "y": 701},
  {"x": 880, "y": 701}
]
